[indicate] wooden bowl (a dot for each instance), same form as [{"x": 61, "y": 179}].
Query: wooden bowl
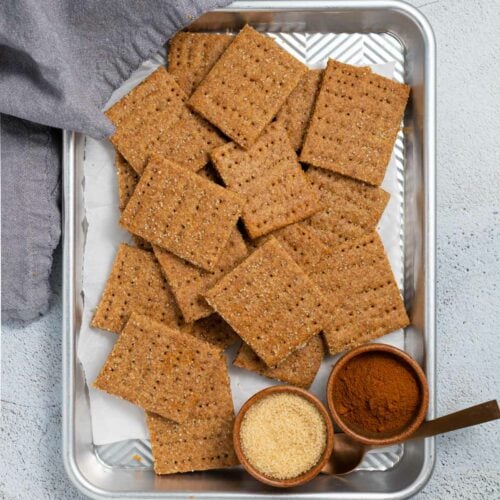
[
  {"x": 306, "y": 476},
  {"x": 421, "y": 380}
]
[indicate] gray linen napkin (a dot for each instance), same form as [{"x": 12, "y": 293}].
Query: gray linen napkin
[{"x": 60, "y": 60}]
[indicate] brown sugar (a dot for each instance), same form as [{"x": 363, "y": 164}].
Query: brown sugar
[
  {"x": 283, "y": 436},
  {"x": 376, "y": 393}
]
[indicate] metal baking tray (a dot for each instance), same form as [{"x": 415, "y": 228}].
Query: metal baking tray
[{"x": 382, "y": 31}]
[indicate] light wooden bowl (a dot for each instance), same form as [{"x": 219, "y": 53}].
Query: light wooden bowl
[
  {"x": 417, "y": 420},
  {"x": 306, "y": 476}
]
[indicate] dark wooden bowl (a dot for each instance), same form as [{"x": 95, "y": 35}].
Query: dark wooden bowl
[
  {"x": 411, "y": 364},
  {"x": 306, "y": 476}
]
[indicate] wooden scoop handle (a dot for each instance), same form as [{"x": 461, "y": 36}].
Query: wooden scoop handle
[{"x": 474, "y": 415}]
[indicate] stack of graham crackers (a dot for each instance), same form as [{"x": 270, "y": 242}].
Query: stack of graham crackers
[{"x": 251, "y": 187}]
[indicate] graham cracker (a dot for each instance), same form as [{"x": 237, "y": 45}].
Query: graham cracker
[
  {"x": 121, "y": 373},
  {"x": 192, "y": 55},
  {"x": 182, "y": 212},
  {"x": 154, "y": 119},
  {"x": 303, "y": 245},
  {"x": 270, "y": 303},
  {"x": 160, "y": 369},
  {"x": 188, "y": 283},
  {"x": 352, "y": 208},
  {"x": 212, "y": 329},
  {"x": 195, "y": 446},
  {"x": 202, "y": 442},
  {"x": 247, "y": 86},
  {"x": 362, "y": 296},
  {"x": 136, "y": 284},
  {"x": 356, "y": 118},
  {"x": 270, "y": 178},
  {"x": 300, "y": 368},
  {"x": 295, "y": 114},
  {"x": 127, "y": 181}
]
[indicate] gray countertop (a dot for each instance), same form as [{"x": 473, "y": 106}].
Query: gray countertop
[{"x": 468, "y": 298}]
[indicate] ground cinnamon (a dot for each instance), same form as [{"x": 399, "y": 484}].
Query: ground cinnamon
[{"x": 376, "y": 393}]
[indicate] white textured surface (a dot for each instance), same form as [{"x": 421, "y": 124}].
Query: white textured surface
[{"x": 468, "y": 286}]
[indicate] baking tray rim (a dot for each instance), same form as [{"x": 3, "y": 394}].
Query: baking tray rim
[{"x": 428, "y": 158}]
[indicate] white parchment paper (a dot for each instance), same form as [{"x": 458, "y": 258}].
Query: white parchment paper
[{"x": 112, "y": 418}]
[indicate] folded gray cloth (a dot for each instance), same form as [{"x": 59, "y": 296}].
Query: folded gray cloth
[
  {"x": 30, "y": 216},
  {"x": 60, "y": 62}
]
